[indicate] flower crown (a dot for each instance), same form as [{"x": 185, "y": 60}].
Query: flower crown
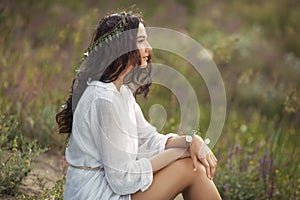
[{"x": 115, "y": 32}]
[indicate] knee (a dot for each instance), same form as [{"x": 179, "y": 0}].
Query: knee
[
  {"x": 186, "y": 166},
  {"x": 200, "y": 172},
  {"x": 201, "y": 169}
]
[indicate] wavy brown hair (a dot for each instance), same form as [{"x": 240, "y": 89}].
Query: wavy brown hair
[{"x": 64, "y": 118}]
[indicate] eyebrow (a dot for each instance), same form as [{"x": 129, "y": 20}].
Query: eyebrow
[{"x": 141, "y": 36}]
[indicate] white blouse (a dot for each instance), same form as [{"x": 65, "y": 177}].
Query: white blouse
[{"x": 110, "y": 131}]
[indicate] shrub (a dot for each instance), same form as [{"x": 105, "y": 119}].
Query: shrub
[
  {"x": 54, "y": 193},
  {"x": 16, "y": 153},
  {"x": 258, "y": 162}
]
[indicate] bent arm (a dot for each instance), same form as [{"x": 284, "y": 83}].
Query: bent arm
[
  {"x": 176, "y": 142},
  {"x": 166, "y": 157}
]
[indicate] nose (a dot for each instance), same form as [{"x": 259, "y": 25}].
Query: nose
[{"x": 148, "y": 48}]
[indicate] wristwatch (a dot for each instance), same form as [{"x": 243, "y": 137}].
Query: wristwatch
[{"x": 188, "y": 140}]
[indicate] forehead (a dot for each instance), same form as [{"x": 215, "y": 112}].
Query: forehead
[{"x": 141, "y": 30}]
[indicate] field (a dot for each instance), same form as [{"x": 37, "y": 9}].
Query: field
[{"x": 254, "y": 44}]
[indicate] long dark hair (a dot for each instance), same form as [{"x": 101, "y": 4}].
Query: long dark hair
[{"x": 64, "y": 118}]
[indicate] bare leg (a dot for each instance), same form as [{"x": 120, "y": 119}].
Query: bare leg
[{"x": 179, "y": 177}]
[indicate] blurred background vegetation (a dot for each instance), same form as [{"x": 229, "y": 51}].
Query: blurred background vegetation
[{"x": 255, "y": 45}]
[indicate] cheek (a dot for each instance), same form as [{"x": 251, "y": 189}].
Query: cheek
[
  {"x": 141, "y": 47},
  {"x": 141, "y": 52}
]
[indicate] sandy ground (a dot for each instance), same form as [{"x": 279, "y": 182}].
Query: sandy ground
[{"x": 47, "y": 169}]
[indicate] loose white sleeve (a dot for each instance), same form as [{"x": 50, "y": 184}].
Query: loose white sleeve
[
  {"x": 123, "y": 172},
  {"x": 150, "y": 141}
]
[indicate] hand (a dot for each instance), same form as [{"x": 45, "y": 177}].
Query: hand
[{"x": 200, "y": 151}]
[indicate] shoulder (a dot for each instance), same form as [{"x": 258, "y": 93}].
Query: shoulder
[
  {"x": 100, "y": 91},
  {"x": 128, "y": 92}
]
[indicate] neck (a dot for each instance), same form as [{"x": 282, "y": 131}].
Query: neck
[{"x": 118, "y": 82}]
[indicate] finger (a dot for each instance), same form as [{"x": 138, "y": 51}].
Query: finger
[
  {"x": 214, "y": 157},
  {"x": 195, "y": 163},
  {"x": 207, "y": 167},
  {"x": 212, "y": 165},
  {"x": 212, "y": 172}
]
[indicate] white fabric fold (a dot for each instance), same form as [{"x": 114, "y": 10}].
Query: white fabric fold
[{"x": 109, "y": 130}]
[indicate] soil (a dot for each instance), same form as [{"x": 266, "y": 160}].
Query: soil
[{"x": 47, "y": 169}]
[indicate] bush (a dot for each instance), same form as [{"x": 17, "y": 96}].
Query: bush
[
  {"x": 55, "y": 193},
  {"x": 16, "y": 153},
  {"x": 256, "y": 162},
  {"x": 253, "y": 176}
]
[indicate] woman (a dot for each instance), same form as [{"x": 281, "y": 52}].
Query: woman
[{"x": 113, "y": 152}]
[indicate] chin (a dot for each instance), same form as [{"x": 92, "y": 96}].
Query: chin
[{"x": 144, "y": 65}]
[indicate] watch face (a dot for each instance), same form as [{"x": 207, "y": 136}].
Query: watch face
[
  {"x": 207, "y": 141},
  {"x": 188, "y": 138}
]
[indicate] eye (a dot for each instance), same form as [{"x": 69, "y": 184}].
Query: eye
[{"x": 141, "y": 41}]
